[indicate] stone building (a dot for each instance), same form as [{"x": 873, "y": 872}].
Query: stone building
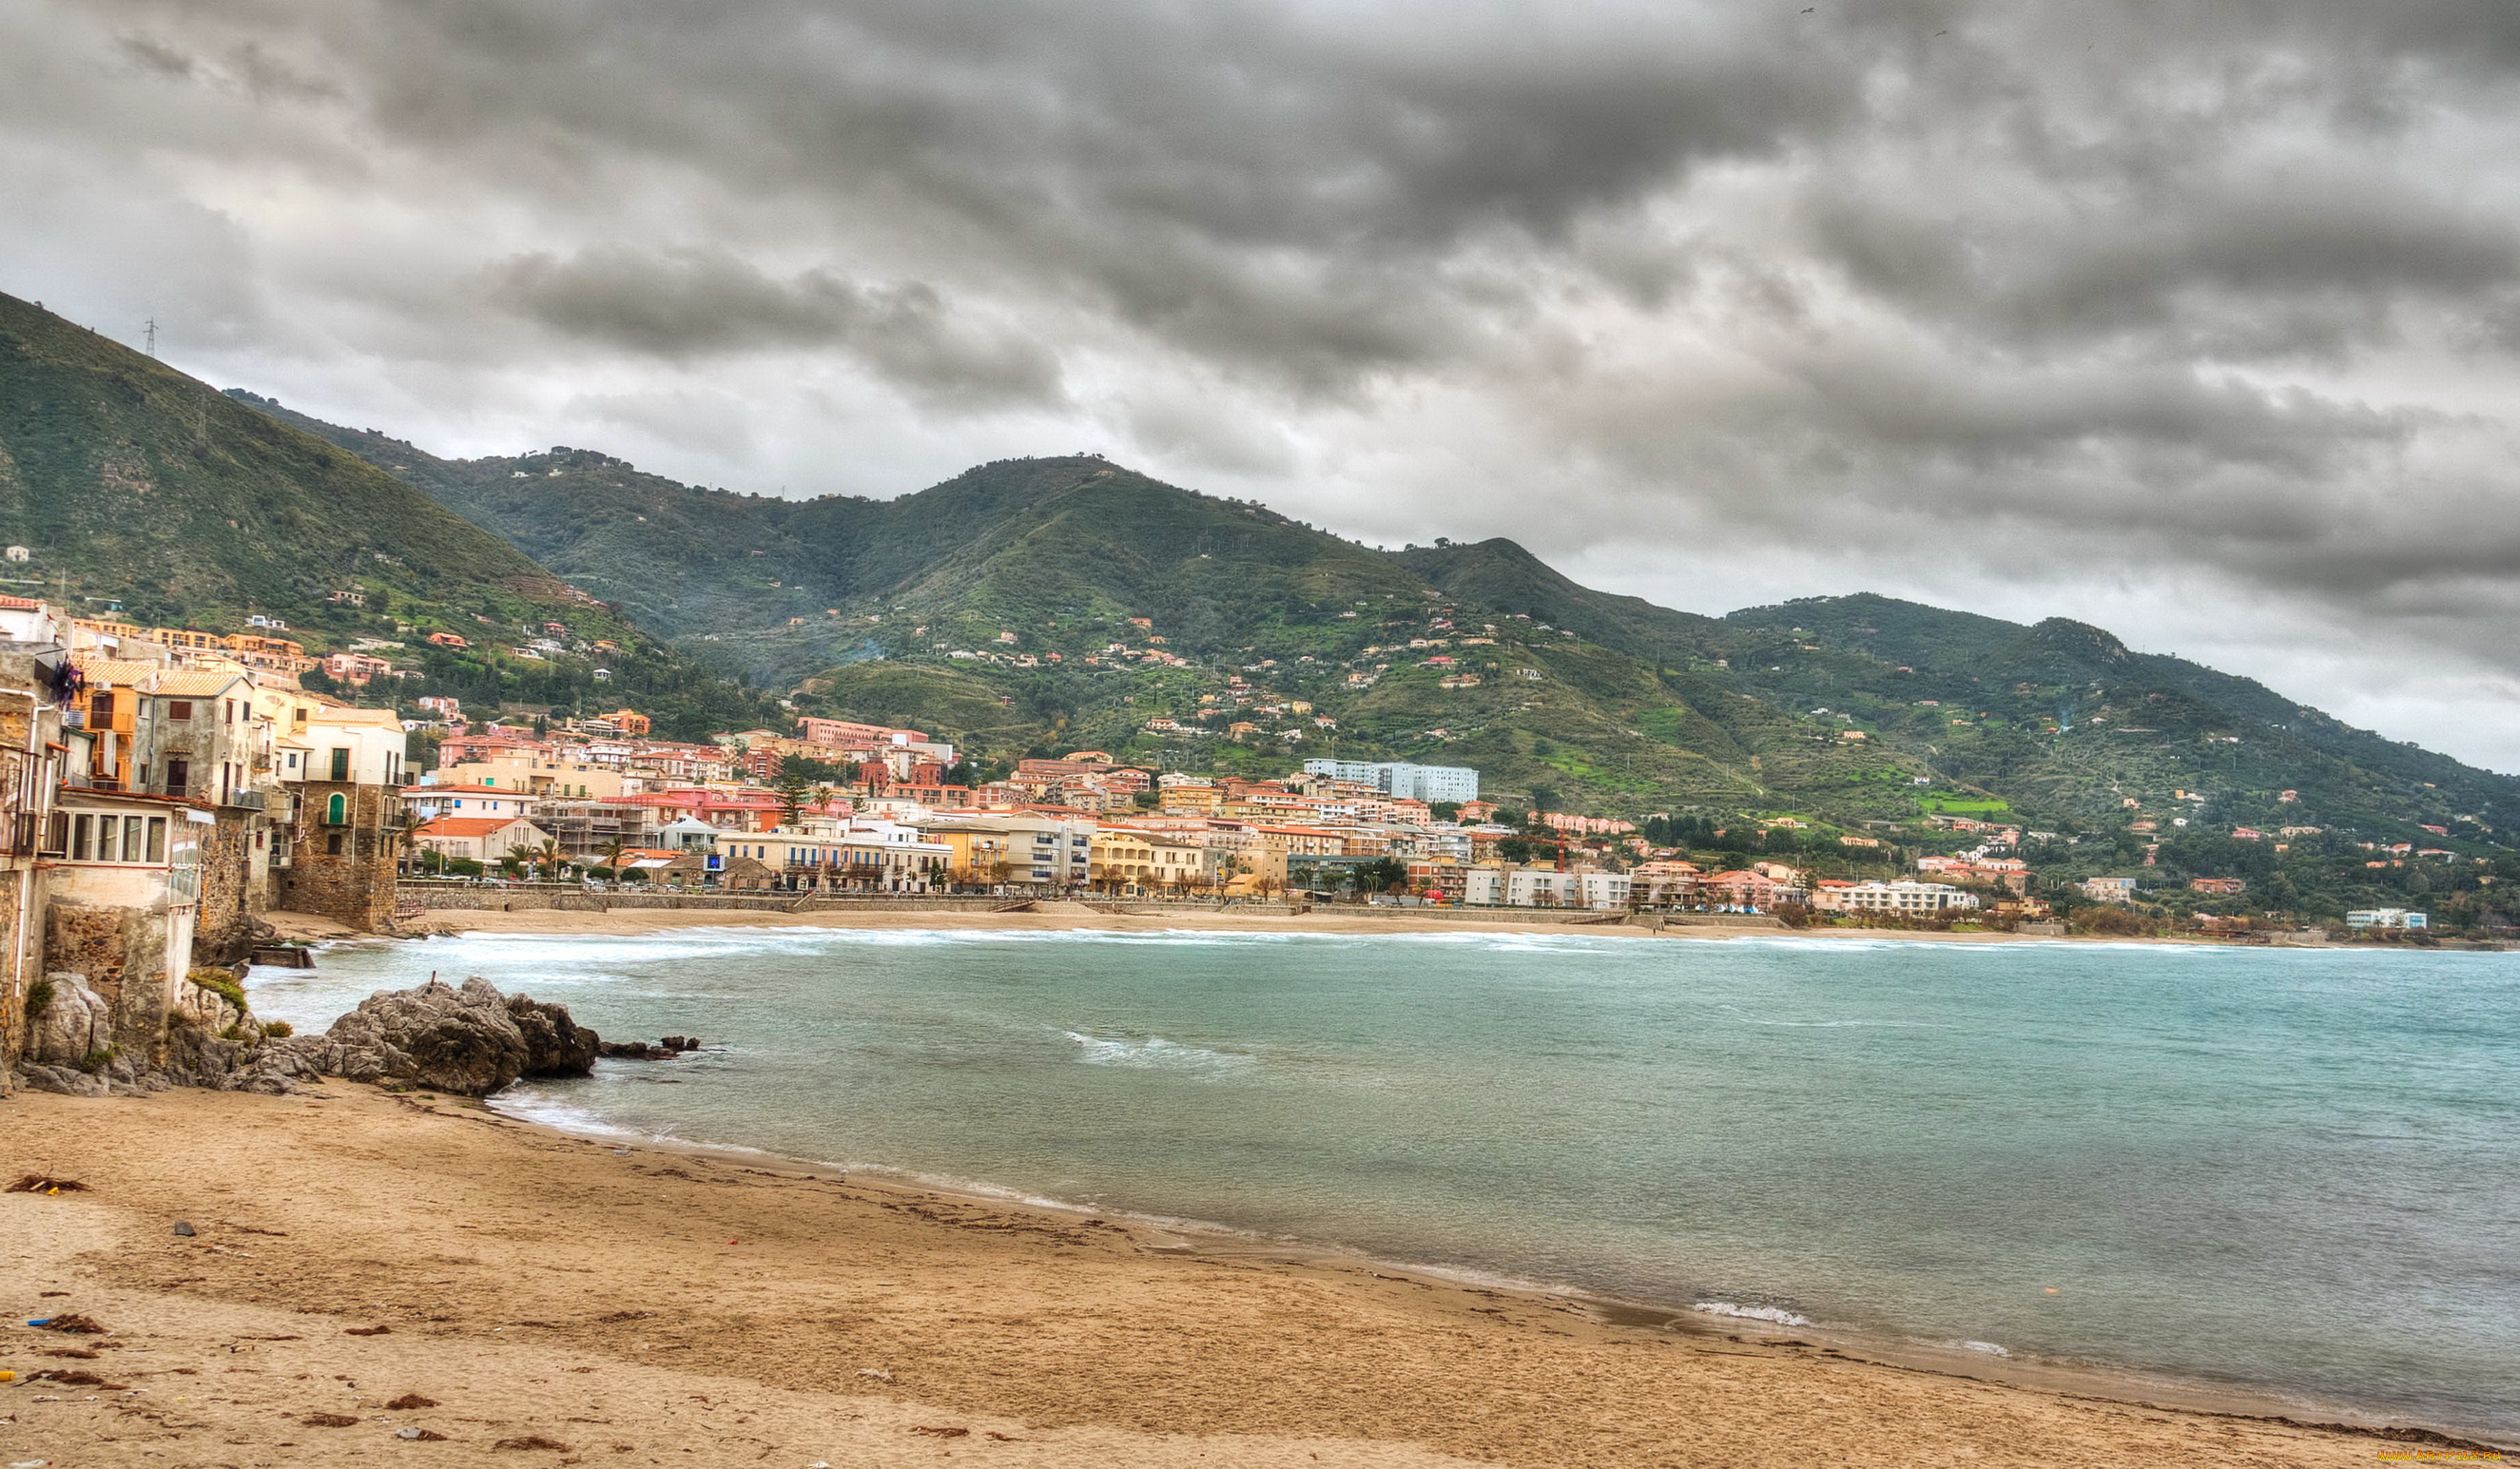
[
  {"x": 33, "y": 674},
  {"x": 344, "y": 774},
  {"x": 120, "y": 902},
  {"x": 345, "y": 839},
  {"x": 154, "y": 799}
]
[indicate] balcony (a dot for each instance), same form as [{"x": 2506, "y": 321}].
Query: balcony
[{"x": 247, "y": 800}]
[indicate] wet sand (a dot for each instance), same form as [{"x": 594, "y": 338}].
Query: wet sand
[{"x": 653, "y": 1306}]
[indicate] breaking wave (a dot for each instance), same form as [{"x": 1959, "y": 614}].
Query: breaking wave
[
  {"x": 1155, "y": 1054},
  {"x": 1773, "y": 1314}
]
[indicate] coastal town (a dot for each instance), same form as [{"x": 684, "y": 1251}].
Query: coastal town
[{"x": 169, "y": 787}]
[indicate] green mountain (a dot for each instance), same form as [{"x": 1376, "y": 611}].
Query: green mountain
[
  {"x": 2068, "y": 720},
  {"x": 990, "y": 606},
  {"x": 1500, "y": 574},
  {"x": 141, "y": 493}
]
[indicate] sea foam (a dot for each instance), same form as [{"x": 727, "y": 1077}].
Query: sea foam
[
  {"x": 1155, "y": 1054},
  {"x": 1773, "y": 1314}
]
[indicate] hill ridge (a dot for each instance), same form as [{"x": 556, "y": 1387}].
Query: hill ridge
[{"x": 957, "y": 597}]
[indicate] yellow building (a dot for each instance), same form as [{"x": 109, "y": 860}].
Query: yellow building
[
  {"x": 983, "y": 854},
  {"x": 1120, "y": 861},
  {"x": 1188, "y": 800},
  {"x": 1128, "y": 860}
]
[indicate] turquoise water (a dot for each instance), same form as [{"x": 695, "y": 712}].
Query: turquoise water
[{"x": 2297, "y": 1170}]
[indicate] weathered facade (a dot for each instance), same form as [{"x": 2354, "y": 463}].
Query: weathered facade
[
  {"x": 119, "y": 908},
  {"x": 33, "y": 680},
  {"x": 235, "y": 890},
  {"x": 147, "y": 822},
  {"x": 345, "y": 842}
]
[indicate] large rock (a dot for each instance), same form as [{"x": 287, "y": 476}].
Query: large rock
[
  {"x": 469, "y": 1040},
  {"x": 555, "y": 1044},
  {"x": 76, "y": 1023}
]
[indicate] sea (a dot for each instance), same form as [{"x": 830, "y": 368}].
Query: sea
[{"x": 2290, "y": 1172}]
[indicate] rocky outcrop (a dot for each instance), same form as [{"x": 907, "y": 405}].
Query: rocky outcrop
[
  {"x": 555, "y": 1044},
  {"x": 469, "y": 1040},
  {"x": 75, "y": 1023},
  {"x": 209, "y": 1041},
  {"x": 667, "y": 1049}
]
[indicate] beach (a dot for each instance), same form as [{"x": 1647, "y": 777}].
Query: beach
[{"x": 588, "y": 1300}]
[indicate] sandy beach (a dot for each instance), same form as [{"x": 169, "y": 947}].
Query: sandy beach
[{"x": 532, "y": 1297}]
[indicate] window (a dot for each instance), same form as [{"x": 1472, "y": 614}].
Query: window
[
  {"x": 156, "y": 838},
  {"x": 131, "y": 837},
  {"x": 181, "y": 708},
  {"x": 337, "y": 810},
  {"x": 82, "y": 832},
  {"x": 340, "y": 765},
  {"x": 179, "y": 776},
  {"x": 332, "y": 842}
]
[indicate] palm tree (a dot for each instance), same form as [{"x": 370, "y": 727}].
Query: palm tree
[{"x": 613, "y": 847}]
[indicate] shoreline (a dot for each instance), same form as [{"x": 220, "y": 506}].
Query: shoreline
[
  {"x": 1074, "y": 917},
  {"x": 355, "y": 1250},
  {"x": 2125, "y": 1386},
  {"x": 1220, "y": 1243}
]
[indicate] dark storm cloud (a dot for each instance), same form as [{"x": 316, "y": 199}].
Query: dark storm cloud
[
  {"x": 2112, "y": 283},
  {"x": 702, "y": 301}
]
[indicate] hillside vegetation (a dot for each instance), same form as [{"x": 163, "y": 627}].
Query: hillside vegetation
[
  {"x": 1046, "y": 605},
  {"x": 142, "y": 494}
]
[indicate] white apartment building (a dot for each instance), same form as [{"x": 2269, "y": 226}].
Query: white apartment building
[
  {"x": 427, "y": 802},
  {"x": 867, "y": 855},
  {"x": 2387, "y": 918},
  {"x": 1544, "y": 887},
  {"x": 1901, "y": 897},
  {"x": 1399, "y": 777}
]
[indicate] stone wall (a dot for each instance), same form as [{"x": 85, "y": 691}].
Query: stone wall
[
  {"x": 19, "y": 958},
  {"x": 121, "y": 954},
  {"x": 342, "y": 872},
  {"x": 223, "y": 924}
]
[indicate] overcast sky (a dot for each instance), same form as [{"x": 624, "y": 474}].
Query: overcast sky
[{"x": 2198, "y": 322}]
